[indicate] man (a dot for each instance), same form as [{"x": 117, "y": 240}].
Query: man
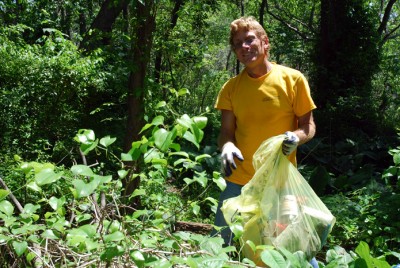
[{"x": 264, "y": 100}]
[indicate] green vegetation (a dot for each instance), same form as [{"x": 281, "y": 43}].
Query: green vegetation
[{"x": 108, "y": 135}]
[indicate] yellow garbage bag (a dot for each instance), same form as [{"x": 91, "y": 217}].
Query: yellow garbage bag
[{"x": 278, "y": 207}]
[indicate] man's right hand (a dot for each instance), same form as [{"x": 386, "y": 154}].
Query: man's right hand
[{"x": 229, "y": 151}]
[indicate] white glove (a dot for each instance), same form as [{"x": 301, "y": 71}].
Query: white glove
[
  {"x": 229, "y": 151},
  {"x": 290, "y": 143}
]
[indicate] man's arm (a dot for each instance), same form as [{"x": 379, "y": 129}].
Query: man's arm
[
  {"x": 306, "y": 129},
  {"x": 228, "y": 127}
]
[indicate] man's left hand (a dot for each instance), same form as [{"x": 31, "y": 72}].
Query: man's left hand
[{"x": 290, "y": 143}]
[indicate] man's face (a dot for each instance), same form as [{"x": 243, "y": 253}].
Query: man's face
[{"x": 249, "y": 49}]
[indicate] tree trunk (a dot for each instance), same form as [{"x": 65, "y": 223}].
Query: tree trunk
[
  {"x": 142, "y": 40},
  {"x": 173, "y": 21},
  {"x": 102, "y": 24}
]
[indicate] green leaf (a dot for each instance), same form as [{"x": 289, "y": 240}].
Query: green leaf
[
  {"x": 163, "y": 138},
  {"x": 138, "y": 192},
  {"x": 122, "y": 173},
  {"x": 30, "y": 208},
  {"x": 86, "y": 148},
  {"x": 273, "y": 259},
  {"x": 84, "y": 189},
  {"x": 363, "y": 250},
  {"x": 161, "y": 104},
  {"x": 107, "y": 141},
  {"x": 101, "y": 179},
  {"x": 138, "y": 258},
  {"x": 33, "y": 186},
  {"x": 293, "y": 261},
  {"x": 20, "y": 247},
  {"x": 183, "y": 91},
  {"x": 220, "y": 182},
  {"x": 56, "y": 203},
  {"x": 4, "y": 193},
  {"x": 158, "y": 120},
  {"x": 116, "y": 236},
  {"x": 184, "y": 154},
  {"x": 47, "y": 176},
  {"x": 190, "y": 137},
  {"x": 6, "y": 207},
  {"x": 251, "y": 245},
  {"x": 82, "y": 170},
  {"x": 200, "y": 121},
  {"x": 201, "y": 157},
  {"x": 185, "y": 121},
  {"x": 49, "y": 234},
  {"x": 85, "y": 136},
  {"x": 195, "y": 208},
  {"x": 126, "y": 157}
]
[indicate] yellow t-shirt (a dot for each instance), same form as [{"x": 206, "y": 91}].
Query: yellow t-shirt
[{"x": 264, "y": 107}]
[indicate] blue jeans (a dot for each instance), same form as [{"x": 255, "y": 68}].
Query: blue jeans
[{"x": 233, "y": 190}]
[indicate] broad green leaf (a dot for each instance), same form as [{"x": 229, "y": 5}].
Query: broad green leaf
[
  {"x": 138, "y": 258},
  {"x": 126, "y": 157},
  {"x": 293, "y": 261},
  {"x": 195, "y": 208},
  {"x": 86, "y": 148},
  {"x": 200, "y": 121},
  {"x": 85, "y": 136},
  {"x": 190, "y": 137},
  {"x": 82, "y": 170},
  {"x": 220, "y": 182},
  {"x": 158, "y": 120},
  {"x": 49, "y": 234},
  {"x": 202, "y": 180},
  {"x": 183, "y": 91},
  {"x": 363, "y": 250},
  {"x": 184, "y": 154},
  {"x": 161, "y": 104},
  {"x": 107, "y": 141},
  {"x": 56, "y": 203},
  {"x": 4, "y": 193},
  {"x": 84, "y": 189},
  {"x": 6, "y": 207},
  {"x": 251, "y": 245},
  {"x": 185, "y": 121},
  {"x": 188, "y": 181},
  {"x": 33, "y": 186},
  {"x": 98, "y": 179},
  {"x": 147, "y": 126},
  {"x": 91, "y": 245},
  {"x": 273, "y": 259},
  {"x": 20, "y": 247},
  {"x": 30, "y": 208},
  {"x": 88, "y": 229},
  {"x": 4, "y": 238},
  {"x": 163, "y": 138},
  {"x": 122, "y": 173},
  {"x": 47, "y": 176},
  {"x": 396, "y": 159},
  {"x": 116, "y": 236},
  {"x": 201, "y": 157},
  {"x": 138, "y": 192}
]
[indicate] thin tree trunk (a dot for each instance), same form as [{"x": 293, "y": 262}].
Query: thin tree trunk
[
  {"x": 102, "y": 24},
  {"x": 143, "y": 30}
]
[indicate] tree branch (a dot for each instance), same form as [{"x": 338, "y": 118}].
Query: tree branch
[
  {"x": 386, "y": 16},
  {"x": 12, "y": 197}
]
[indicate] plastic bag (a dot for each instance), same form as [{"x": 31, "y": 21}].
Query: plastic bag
[{"x": 278, "y": 207}]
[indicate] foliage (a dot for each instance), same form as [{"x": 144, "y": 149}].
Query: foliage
[{"x": 44, "y": 89}]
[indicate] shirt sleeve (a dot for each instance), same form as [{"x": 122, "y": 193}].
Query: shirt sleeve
[
  {"x": 224, "y": 101},
  {"x": 303, "y": 102}
]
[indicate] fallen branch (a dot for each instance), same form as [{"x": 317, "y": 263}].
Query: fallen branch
[{"x": 12, "y": 197}]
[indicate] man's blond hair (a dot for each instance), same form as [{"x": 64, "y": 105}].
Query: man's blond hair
[{"x": 248, "y": 23}]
